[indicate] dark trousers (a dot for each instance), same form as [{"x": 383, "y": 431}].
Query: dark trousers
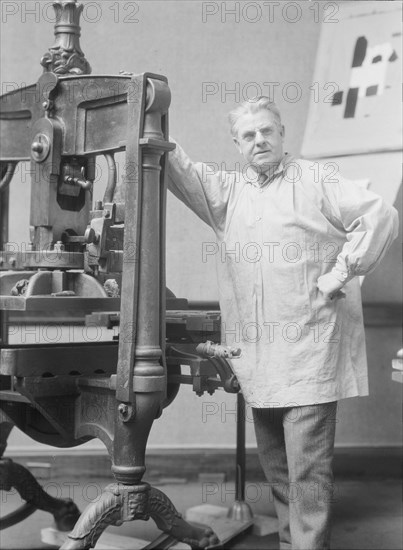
[{"x": 295, "y": 446}]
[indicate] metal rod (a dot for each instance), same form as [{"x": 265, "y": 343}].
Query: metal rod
[
  {"x": 4, "y": 218},
  {"x": 240, "y": 449},
  {"x": 112, "y": 176}
]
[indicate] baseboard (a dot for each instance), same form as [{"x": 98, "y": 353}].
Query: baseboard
[{"x": 354, "y": 462}]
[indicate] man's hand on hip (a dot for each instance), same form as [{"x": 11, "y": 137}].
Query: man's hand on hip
[{"x": 330, "y": 287}]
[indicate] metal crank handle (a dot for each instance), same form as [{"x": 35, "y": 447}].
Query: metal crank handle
[{"x": 209, "y": 349}]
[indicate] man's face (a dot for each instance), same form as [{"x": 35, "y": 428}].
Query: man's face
[{"x": 260, "y": 139}]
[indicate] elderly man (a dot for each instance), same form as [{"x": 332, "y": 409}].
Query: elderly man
[{"x": 293, "y": 240}]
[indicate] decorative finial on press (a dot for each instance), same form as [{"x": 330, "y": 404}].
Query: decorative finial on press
[{"x": 65, "y": 56}]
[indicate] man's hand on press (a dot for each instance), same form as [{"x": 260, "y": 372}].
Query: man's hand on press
[{"x": 330, "y": 287}]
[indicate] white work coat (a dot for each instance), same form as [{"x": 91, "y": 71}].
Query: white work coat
[{"x": 273, "y": 242}]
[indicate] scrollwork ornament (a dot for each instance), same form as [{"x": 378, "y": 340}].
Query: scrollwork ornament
[{"x": 66, "y": 56}]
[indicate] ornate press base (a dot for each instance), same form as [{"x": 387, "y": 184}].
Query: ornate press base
[
  {"x": 120, "y": 503},
  {"x": 14, "y": 475}
]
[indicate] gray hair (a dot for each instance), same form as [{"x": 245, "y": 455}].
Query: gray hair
[{"x": 252, "y": 106}]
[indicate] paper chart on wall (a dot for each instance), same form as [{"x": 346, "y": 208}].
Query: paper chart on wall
[{"x": 356, "y": 100}]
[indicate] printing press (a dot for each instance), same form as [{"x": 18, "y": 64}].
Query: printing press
[{"x": 82, "y": 258}]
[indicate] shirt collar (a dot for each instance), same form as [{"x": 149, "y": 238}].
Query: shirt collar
[{"x": 279, "y": 170}]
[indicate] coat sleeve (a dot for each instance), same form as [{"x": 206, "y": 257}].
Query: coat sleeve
[
  {"x": 370, "y": 224},
  {"x": 203, "y": 189}
]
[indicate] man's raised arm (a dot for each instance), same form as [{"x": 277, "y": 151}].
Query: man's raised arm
[{"x": 203, "y": 189}]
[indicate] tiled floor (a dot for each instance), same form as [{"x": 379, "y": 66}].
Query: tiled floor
[{"x": 367, "y": 512}]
